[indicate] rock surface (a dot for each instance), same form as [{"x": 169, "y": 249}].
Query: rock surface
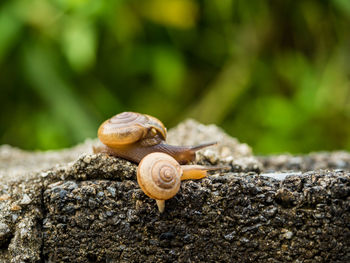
[{"x": 90, "y": 209}]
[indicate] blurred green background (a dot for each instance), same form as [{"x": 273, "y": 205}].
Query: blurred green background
[{"x": 274, "y": 74}]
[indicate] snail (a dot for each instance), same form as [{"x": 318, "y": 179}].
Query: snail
[
  {"x": 159, "y": 176},
  {"x": 132, "y": 136}
]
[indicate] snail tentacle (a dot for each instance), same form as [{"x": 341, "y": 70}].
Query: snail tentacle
[{"x": 161, "y": 205}]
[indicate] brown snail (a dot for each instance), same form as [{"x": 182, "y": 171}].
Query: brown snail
[
  {"x": 132, "y": 136},
  {"x": 159, "y": 176}
]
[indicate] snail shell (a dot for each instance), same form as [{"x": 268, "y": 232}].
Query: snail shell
[
  {"x": 159, "y": 176},
  {"x": 129, "y": 127},
  {"x": 132, "y": 136}
]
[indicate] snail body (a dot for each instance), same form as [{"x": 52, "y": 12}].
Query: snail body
[
  {"x": 159, "y": 176},
  {"x": 132, "y": 136}
]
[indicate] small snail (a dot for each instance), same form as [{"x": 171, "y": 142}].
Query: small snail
[
  {"x": 132, "y": 136},
  {"x": 159, "y": 176}
]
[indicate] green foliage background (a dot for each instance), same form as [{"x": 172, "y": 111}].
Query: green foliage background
[{"x": 275, "y": 74}]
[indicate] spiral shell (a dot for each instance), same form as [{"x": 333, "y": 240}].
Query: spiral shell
[
  {"x": 129, "y": 127},
  {"x": 159, "y": 176}
]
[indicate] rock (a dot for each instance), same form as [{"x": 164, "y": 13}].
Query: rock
[
  {"x": 16, "y": 164},
  {"x": 227, "y": 151},
  {"x": 25, "y": 200},
  {"x": 5, "y": 233},
  {"x": 339, "y": 160},
  {"x": 89, "y": 208}
]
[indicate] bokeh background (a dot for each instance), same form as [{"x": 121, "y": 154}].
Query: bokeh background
[{"x": 274, "y": 74}]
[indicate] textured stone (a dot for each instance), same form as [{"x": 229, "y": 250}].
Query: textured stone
[
  {"x": 92, "y": 209},
  {"x": 339, "y": 160},
  {"x": 227, "y": 151}
]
